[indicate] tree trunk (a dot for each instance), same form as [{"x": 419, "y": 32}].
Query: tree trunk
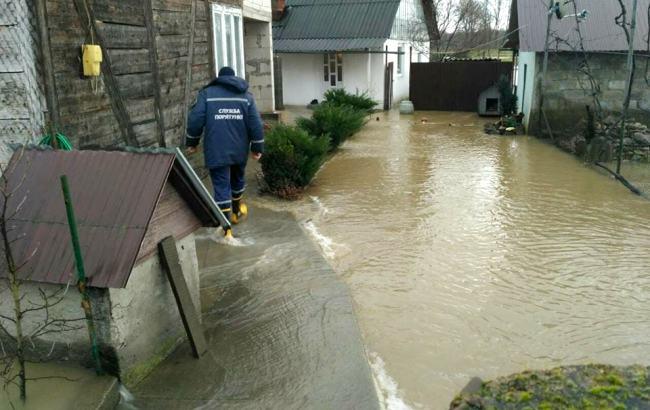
[
  {"x": 14, "y": 287},
  {"x": 431, "y": 23},
  {"x": 20, "y": 349}
]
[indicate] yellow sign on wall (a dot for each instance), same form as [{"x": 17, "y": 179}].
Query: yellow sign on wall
[{"x": 92, "y": 58}]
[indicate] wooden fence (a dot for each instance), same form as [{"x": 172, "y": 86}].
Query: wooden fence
[{"x": 453, "y": 85}]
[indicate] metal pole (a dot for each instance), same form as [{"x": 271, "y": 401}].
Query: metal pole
[
  {"x": 628, "y": 90},
  {"x": 81, "y": 273}
]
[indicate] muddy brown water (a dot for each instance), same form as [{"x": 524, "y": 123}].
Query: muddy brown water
[{"x": 475, "y": 255}]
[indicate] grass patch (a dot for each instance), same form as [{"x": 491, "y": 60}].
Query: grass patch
[
  {"x": 142, "y": 369},
  {"x": 571, "y": 387}
]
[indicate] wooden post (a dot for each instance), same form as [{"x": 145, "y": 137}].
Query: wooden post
[
  {"x": 277, "y": 82},
  {"x": 171, "y": 263},
  {"x": 82, "y": 280},
  {"x": 153, "y": 60},
  {"x": 628, "y": 89},
  {"x": 188, "y": 74},
  {"x": 54, "y": 117},
  {"x": 541, "y": 83},
  {"x": 85, "y": 12}
]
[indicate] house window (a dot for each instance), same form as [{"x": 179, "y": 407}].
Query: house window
[
  {"x": 400, "y": 59},
  {"x": 333, "y": 68},
  {"x": 228, "y": 35}
]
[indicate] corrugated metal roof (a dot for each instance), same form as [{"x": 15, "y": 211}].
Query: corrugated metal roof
[
  {"x": 114, "y": 196},
  {"x": 319, "y": 45},
  {"x": 322, "y": 20},
  {"x": 599, "y": 30}
]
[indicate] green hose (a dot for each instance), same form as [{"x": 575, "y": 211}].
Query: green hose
[{"x": 61, "y": 140}]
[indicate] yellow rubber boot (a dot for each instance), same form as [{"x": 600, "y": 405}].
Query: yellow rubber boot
[
  {"x": 236, "y": 218},
  {"x": 228, "y": 234}
]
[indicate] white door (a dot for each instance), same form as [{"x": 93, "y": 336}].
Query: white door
[{"x": 332, "y": 70}]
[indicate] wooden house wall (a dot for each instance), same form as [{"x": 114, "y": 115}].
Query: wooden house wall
[
  {"x": 21, "y": 97},
  {"x": 156, "y": 56}
]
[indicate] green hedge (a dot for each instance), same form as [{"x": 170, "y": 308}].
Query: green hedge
[
  {"x": 291, "y": 159},
  {"x": 339, "y": 96},
  {"x": 338, "y": 122},
  {"x": 293, "y": 154}
]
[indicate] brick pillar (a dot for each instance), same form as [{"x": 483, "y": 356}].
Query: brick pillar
[{"x": 259, "y": 63}]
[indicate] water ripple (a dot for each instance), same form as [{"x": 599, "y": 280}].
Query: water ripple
[{"x": 480, "y": 256}]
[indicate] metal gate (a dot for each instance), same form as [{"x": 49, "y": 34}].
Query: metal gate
[{"x": 453, "y": 85}]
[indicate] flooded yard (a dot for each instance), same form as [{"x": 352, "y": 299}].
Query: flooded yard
[
  {"x": 455, "y": 254},
  {"x": 475, "y": 255}
]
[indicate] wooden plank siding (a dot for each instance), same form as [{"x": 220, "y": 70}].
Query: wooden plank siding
[
  {"x": 173, "y": 217},
  {"x": 140, "y": 98},
  {"x": 22, "y": 102}
]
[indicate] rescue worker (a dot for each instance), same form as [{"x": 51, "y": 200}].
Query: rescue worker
[{"x": 226, "y": 114}]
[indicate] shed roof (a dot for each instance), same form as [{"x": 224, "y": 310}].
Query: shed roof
[
  {"x": 334, "y": 25},
  {"x": 599, "y": 30},
  {"x": 114, "y": 194}
]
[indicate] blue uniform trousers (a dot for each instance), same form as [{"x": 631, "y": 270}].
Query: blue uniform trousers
[{"x": 229, "y": 185}]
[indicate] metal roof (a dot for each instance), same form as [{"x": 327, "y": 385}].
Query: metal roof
[
  {"x": 599, "y": 30},
  {"x": 114, "y": 195},
  {"x": 319, "y": 45},
  {"x": 312, "y": 25}
]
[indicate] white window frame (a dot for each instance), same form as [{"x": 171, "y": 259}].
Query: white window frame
[{"x": 224, "y": 13}]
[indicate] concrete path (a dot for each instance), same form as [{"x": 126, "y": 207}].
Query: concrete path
[{"x": 280, "y": 327}]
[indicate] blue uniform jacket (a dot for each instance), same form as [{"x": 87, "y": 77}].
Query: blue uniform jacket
[{"x": 227, "y": 112}]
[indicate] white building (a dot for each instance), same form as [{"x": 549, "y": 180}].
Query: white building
[{"x": 357, "y": 45}]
